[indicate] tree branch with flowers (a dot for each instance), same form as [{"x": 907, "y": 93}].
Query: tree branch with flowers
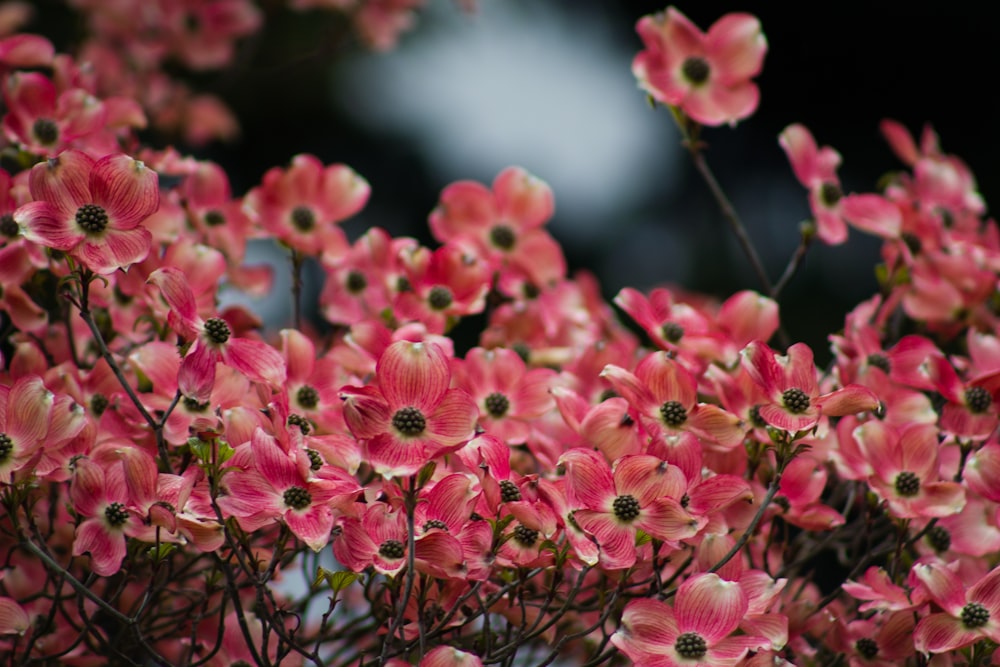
[{"x": 673, "y": 483}]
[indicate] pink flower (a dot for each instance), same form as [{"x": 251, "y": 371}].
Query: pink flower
[
  {"x": 816, "y": 169},
  {"x": 412, "y": 416},
  {"x": 695, "y": 631},
  {"x": 213, "y": 342},
  {"x": 707, "y": 76},
  {"x": 969, "y": 613},
  {"x": 93, "y": 210},
  {"x": 790, "y": 384}
]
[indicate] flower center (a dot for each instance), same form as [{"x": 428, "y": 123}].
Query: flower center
[
  {"x": 297, "y": 498},
  {"x": 672, "y": 332},
  {"x": 300, "y": 421},
  {"x": 436, "y": 523},
  {"x": 867, "y": 647},
  {"x": 315, "y": 459},
  {"x": 975, "y": 615},
  {"x": 939, "y": 538},
  {"x": 46, "y": 131},
  {"x": 6, "y": 447},
  {"x": 879, "y": 361},
  {"x": 116, "y": 514},
  {"x": 755, "y": 417},
  {"x": 393, "y": 549},
  {"x": 502, "y": 237},
  {"x": 497, "y": 405},
  {"x": 830, "y": 194},
  {"x": 509, "y": 492},
  {"x": 217, "y": 330},
  {"x": 796, "y": 400},
  {"x": 303, "y": 218},
  {"x": 98, "y": 404},
  {"x": 440, "y": 297},
  {"x": 355, "y": 282},
  {"x": 192, "y": 405},
  {"x": 978, "y": 399},
  {"x": 625, "y": 507},
  {"x": 214, "y": 218},
  {"x": 409, "y": 421},
  {"x": 525, "y": 536},
  {"x": 691, "y": 645},
  {"x": 307, "y": 397},
  {"x": 673, "y": 413},
  {"x": 92, "y": 218},
  {"x": 907, "y": 484},
  {"x": 696, "y": 70},
  {"x": 9, "y": 226}
]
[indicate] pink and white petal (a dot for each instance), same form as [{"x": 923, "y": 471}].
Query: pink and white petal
[
  {"x": 539, "y": 256},
  {"x": 413, "y": 375},
  {"x": 900, "y": 141},
  {"x": 848, "y": 400},
  {"x": 522, "y": 198},
  {"x": 648, "y": 628},
  {"x": 958, "y": 420},
  {"x": 177, "y": 293},
  {"x": 107, "y": 550},
  {"x": 196, "y": 377},
  {"x": 647, "y": 478},
  {"x": 709, "y": 605},
  {"x": 126, "y": 188},
  {"x": 748, "y": 316},
  {"x": 41, "y": 222},
  {"x": 299, "y": 353},
  {"x": 312, "y": 526},
  {"x": 677, "y": 35},
  {"x": 29, "y": 405},
  {"x": 365, "y": 411},
  {"x": 982, "y": 472},
  {"x": 589, "y": 482},
  {"x": 450, "y": 499},
  {"x": 918, "y": 447},
  {"x": 781, "y": 418},
  {"x": 730, "y": 651},
  {"x": 616, "y": 542},
  {"x": 391, "y": 457},
  {"x": 801, "y": 149},
  {"x": 717, "y": 493},
  {"x": 344, "y": 192},
  {"x": 257, "y": 360},
  {"x": 665, "y": 519},
  {"x": 721, "y": 426},
  {"x": 454, "y": 419},
  {"x": 943, "y": 585},
  {"x": 667, "y": 379},
  {"x": 830, "y": 226},
  {"x": 735, "y": 46},
  {"x": 761, "y": 364},
  {"x": 940, "y": 633},
  {"x": 63, "y": 181},
  {"x": 118, "y": 249},
  {"x": 465, "y": 209},
  {"x": 13, "y": 619},
  {"x": 631, "y": 389},
  {"x": 447, "y": 656},
  {"x": 441, "y": 553},
  {"x": 987, "y": 592},
  {"x": 800, "y": 370},
  {"x": 274, "y": 464},
  {"x": 716, "y": 105},
  {"x": 607, "y": 429},
  {"x": 873, "y": 214}
]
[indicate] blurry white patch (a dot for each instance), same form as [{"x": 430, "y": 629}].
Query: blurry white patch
[{"x": 529, "y": 84}]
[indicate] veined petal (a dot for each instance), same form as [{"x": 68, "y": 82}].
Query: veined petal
[
  {"x": 588, "y": 479},
  {"x": 63, "y": 181},
  {"x": 196, "y": 376},
  {"x": 413, "y": 375},
  {"x": 365, "y": 411},
  {"x": 118, "y": 249},
  {"x": 944, "y": 586},
  {"x": 126, "y": 188},
  {"x": 647, "y": 478},
  {"x": 723, "y": 427},
  {"x": 29, "y": 404},
  {"x": 391, "y": 457},
  {"x": 312, "y": 526},
  {"x": 257, "y": 360},
  {"x": 274, "y": 463},
  {"x": 987, "y": 592},
  {"x": 710, "y": 606},
  {"x": 940, "y": 633},
  {"x": 847, "y": 401},
  {"x": 107, "y": 550},
  {"x": 13, "y": 619},
  {"x": 454, "y": 419},
  {"x": 42, "y": 222},
  {"x": 631, "y": 388},
  {"x": 667, "y": 380},
  {"x": 616, "y": 541},
  {"x": 648, "y": 628},
  {"x": 178, "y": 295},
  {"x": 717, "y": 493},
  {"x": 665, "y": 519}
]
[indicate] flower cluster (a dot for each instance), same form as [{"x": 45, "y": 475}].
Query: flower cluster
[{"x": 179, "y": 488}]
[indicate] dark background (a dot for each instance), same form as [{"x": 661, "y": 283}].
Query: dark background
[{"x": 838, "y": 68}]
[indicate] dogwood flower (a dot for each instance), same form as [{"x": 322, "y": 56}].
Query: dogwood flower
[{"x": 707, "y": 76}]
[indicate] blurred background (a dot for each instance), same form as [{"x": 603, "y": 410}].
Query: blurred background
[{"x": 548, "y": 86}]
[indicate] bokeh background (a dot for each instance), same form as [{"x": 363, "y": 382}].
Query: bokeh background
[{"x": 547, "y": 85}]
